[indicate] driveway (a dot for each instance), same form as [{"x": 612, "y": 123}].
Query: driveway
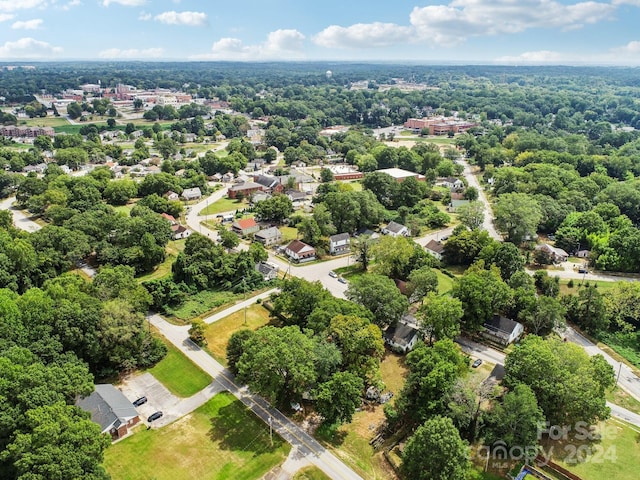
[{"x": 161, "y": 399}]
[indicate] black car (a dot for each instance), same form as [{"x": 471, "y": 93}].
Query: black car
[
  {"x": 477, "y": 363},
  {"x": 140, "y": 401},
  {"x": 154, "y": 416}
]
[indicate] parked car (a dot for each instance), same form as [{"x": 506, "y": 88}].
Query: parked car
[
  {"x": 342, "y": 280},
  {"x": 477, "y": 363},
  {"x": 140, "y": 401},
  {"x": 333, "y": 274},
  {"x": 154, "y": 416},
  {"x": 583, "y": 270}
]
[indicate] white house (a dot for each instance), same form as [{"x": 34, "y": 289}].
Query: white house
[
  {"x": 435, "y": 248},
  {"x": 402, "y": 337},
  {"x": 339, "y": 243},
  {"x": 502, "y": 330},
  {"x": 300, "y": 251},
  {"x": 180, "y": 232},
  {"x": 395, "y": 229},
  {"x": 557, "y": 254},
  {"x": 452, "y": 183},
  {"x": 192, "y": 193}
]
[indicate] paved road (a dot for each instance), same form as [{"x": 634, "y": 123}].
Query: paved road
[
  {"x": 472, "y": 180},
  {"x": 20, "y": 220},
  {"x": 487, "y": 354},
  {"x": 298, "y": 438}
]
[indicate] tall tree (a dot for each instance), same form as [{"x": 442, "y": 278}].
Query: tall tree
[
  {"x": 517, "y": 216},
  {"x": 338, "y": 398},
  {"x": 439, "y": 317},
  {"x": 380, "y": 295},
  {"x": 436, "y": 452},
  {"x": 471, "y": 214}
]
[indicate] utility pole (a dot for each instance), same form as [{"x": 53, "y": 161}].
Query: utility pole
[
  {"x": 618, "y": 377},
  {"x": 271, "y": 430}
]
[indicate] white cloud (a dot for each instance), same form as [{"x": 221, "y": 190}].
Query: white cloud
[
  {"x": 145, "y": 16},
  {"x": 281, "y": 44},
  {"x": 630, "y": 49},
  {"x": 132, "y": 53},
  {"x": 362, "y": 35},
  {"x": 5, "y": 17},
  {"x": 628, "y": 2},
  {"x": 191, "y": 19},
  {"x": 541, "y": 56},
  {"x": 453, "y": 23},
  {"x": 126, "y": 3},
  {"x": 33, "y": 24},
  {"x": 13, "y": 5},
  {"x": 72, "y": 3},
  {"x": 28, "y": 48}
]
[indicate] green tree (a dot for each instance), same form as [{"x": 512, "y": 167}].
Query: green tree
[
  {"x": 436, "y": 452},
  {"x": 482, "y": 293},
  {"x": 421, "y": 282},
  {"x": 119, "y": 192},
  {"x": 439, "y": 317},
  {"x": 296, "y": 300},
  {"x": 276, "y": 208},
  {"x": 380, "y": 295},
  {"x": 326, "y": 175},
  {"x": 568, "y": 384},
  {"x": 463, "y": 246},
  {"x": 471, "y": 214},
  {"x": 360, "y": 343},
  {"x": 361, "y": 249},
  {"x": 517, "y": 216},
  {"x": 545, "y": 315},
  {"x": 277, "y": 363},
  {"x": 433, "y": 372},
  {"x": 227, "y": 238},
  {"x": 517, "y": 420},
  {"x": 338, "y": 398},
  {"x": 506, "y": 256},
  {"x": 588, "y": 310},
  {"x": 198, "y": 332}
]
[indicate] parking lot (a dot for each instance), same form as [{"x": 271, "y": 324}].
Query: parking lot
[{"x": 161, "y": 399}]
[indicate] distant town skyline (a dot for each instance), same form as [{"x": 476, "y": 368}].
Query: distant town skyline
[{"x": 553, "y": 32}]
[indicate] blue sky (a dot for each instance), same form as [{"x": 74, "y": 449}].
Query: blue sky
[{"x": 437, "y": 31}]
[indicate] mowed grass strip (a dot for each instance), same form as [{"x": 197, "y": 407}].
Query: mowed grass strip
[
  {"x": 220, "y": 440},
  {"x": 224, "y": 205},
  {"x": 310, "y": 473},
  {"x": 180, "y": 375},
  {"x": 218, "y": 333}
]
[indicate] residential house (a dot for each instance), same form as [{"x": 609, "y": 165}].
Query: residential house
[
  {"x": 170, "y": 218},
  {"x": 39, "y": 168},
  {"x": 402, "y": 336},
  {"x": 171, "y": 195},
  {"x": 269, "y": 183},
  {"x": 268, "y": 270},
  {"x": 502, "y": 330},
  {"x": 300, "y": 251},
  {"x": 452, "y": 183},
  {"x": 339, "y": 243},
  {"x": 244, "y": 227},
  {"x": 557, "y": 254},
  {"x": 268, "y": 236},
  {"x": 245, "y": 189},
  {"x": 192, "y": 193},
  {"x": 395, "y": 229},
  {"x": 435, "y": 248},
  {"x": 260, "y": 196},
  {"x": 583, "y": 253},
  {"x": 370, "y": 233},
  {"x": 297, "y": 198},
  {"x": 110, "y": 409},
  {"x": 180, "y": 232},
  {"x": 227, "y": 177}
]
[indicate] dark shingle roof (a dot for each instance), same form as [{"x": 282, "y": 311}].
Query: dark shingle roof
[{"x": 107, "y": 405}]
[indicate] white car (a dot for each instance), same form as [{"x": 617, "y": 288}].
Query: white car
[{"x": 333, "y": 274}]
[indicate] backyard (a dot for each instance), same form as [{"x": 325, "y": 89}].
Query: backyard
[{"x": 220, "y": 440}]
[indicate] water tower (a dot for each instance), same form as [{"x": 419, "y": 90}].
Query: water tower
[{"x": 329, "y": 74}]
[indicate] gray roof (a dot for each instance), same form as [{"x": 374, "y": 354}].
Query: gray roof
[
  {"x": 394, "y": 227},
  {"x": 500, "y": 324},
  {"x": 267, "y": 233},
  {"x": 339, "y": 237},
  {"x": 435, "y": 246},
  {"x": 192, "y": 192},
  {"x": 107, "y": 406},
  {"x": 401, "y": 334},
  {"x": 245, "y": 186},
  {"x": 266, "y": 181}
]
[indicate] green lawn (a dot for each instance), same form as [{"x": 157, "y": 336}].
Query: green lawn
[
  {"x": 224, "y": 205},
  {"x": 218, "y": 333},
  {"x": 445, "y": 282},
  {"x": 288, "y": 233},
  {"x": 310, "y": 473},
  {"x": 623, "y": 399},
  {"x": 218, "y": 441},
  {"x": 179, "y": 374},
  {"x": 44, "y": 122},
  {"x": 615, "y": 456},
  {"x": 173, "y": 248}
]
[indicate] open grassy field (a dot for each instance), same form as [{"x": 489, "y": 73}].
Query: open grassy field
[
  {"x": 351, "y": 442},
  {"x": 623, "y": 399},
  {"x": 615, "y": 456},
  {"x": 44, "y": 122},
  {"x": 224, "y": 205},
  {"x": 445, "y": 282},
  {"x": 220, "y": 440},
  {"x": 218, "y": 333},
  {"x": 179, "y": 374}
]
